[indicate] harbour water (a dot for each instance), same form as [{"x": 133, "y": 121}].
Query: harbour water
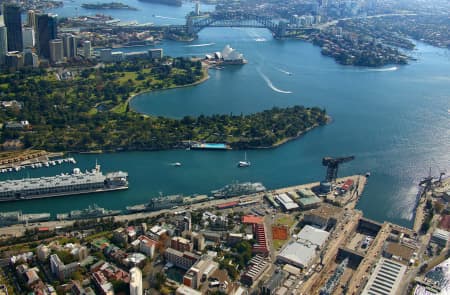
[{"x": 394, "y": 120}]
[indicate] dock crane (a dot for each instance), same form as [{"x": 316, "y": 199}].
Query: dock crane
[{"x": 332, "y": 165}]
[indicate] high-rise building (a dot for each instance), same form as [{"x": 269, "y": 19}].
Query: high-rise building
[
  {"x": 30, "y": 58},
  {"x": 46, "y": 30},
  {"x": 31, "y": 19},
  {"x": 56, "y": 51},
  {"x": 28, "y": 37},
  {"x": 70, "y": 45},
  {"x": 3, "y": 43},
  {"x": 13, "y": 23},
  {"x": 197, "y": 8},
  {"x": 87, "y": 49},
  {"x": 135, "y": 281}
]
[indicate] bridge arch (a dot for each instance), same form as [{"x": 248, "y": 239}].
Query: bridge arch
[{"x": 232, "y": 19}]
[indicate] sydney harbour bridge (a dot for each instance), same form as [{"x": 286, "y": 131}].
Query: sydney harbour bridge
[{"x": 196, "y": 23}]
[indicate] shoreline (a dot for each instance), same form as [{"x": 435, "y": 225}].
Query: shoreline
[
  {"x": 202, "y": 80},
  {"x": 19, "y": 229}
]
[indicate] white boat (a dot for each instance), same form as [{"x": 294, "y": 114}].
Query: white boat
[
  {"x": 245, "y": 163},
  {"x": 176, "y": 164}
]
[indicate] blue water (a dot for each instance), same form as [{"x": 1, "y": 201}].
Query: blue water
[
  {"x": 395, "y": 121},
  {"x": 147, "y": 12}
]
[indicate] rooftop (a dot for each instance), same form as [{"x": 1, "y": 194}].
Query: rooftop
[
  {"x": 385, "y": 278},
  {"x": 252, "y": 219},
  {"x": 312, "y": 235}
]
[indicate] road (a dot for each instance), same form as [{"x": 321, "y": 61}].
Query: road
[{"x": 19, "y": 229}]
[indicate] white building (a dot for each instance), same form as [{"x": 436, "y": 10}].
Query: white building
[
  {"x": 135, "y": 281},
  {"x": 147, "y": 246},
  {"x": 42, "y": 252},
  {"x": 285, "y": 201},
  {"x": 302, "y": 252},
  {"x": 87, "y": 49}
]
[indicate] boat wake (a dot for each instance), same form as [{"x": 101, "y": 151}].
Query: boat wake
[
  {"x": 260, "y": 39},
  {"x": 165, "y": 17},
  {"x": 270, "y": 84},
  {"x": 391, "y": 69},
  {"x": 200, "y": 45},
  {"x": 284, "y": 72}
]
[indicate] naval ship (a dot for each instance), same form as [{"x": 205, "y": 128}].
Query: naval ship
[
  {"x": 238, "y": 189},
  {"x": 93, "y": 181},
  {"x": 158, "y": 203},
  {"x": 93, "y": 211}
]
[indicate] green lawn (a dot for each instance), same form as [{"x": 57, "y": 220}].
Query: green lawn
[{"x": 285, "y": 220}]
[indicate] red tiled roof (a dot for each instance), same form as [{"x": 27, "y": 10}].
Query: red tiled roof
[
  {"x": 227, "y": 205},
  {"x": 252, "y": 219}
]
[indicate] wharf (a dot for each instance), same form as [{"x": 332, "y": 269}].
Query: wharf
[{"x": 19, "y": 230}]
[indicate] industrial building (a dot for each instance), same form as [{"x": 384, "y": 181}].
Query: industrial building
[
  {"x": 440, "y": 237},
  {"x": 286, "y": 202},
  {"x": 385, "y": 279},
  {"x": 302, "y": 252},
  {"x": 308, "y": 199}
]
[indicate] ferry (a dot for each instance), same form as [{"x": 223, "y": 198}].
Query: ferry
[{"x": 63, "y": 185}]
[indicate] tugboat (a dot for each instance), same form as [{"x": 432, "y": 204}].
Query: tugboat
[{"x": 245, "y": 163}]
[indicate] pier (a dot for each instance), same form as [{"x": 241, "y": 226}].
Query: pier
[{"x": 19, "y": 230}]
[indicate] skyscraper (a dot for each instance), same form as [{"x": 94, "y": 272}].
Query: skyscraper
[
  {"x": 56, "y": 51},
  {"x": 135, "y": 281},
  {"x": 3, "y": 43},
  {"x": 70, "y": 45},
  {"x": 13, "y": 23},
  {"x": 87, "y": 49},
  {"x": 46, "y": 30},
  {"x": 31, "y": 19},
  {"x": 28, "y": 37}
]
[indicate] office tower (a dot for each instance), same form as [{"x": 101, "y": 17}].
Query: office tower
[
  {"x": 28, "y": 37},
  {"x": 31, "y": 19},
  {"x": 13, "y": 23},
  {"x": 70, "y": 45},
  {"x": 56, "y": 51},
  {"x": 135, "y": 281},
  {"x": 87, "y": 49},
  {"x": 3, "y": 43},
  {"x": 46, "y": 30}
]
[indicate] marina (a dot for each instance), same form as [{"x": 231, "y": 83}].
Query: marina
[{"x": 39, "y": 164}]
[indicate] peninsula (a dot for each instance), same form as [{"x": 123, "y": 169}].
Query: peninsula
[
  {"x": 111, "y": 5},
  {"x": 89, "y": 111}
]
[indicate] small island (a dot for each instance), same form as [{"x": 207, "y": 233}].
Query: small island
[
  {"x": 91, "y": 112},
  {"x": 111, "y": 5}
]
